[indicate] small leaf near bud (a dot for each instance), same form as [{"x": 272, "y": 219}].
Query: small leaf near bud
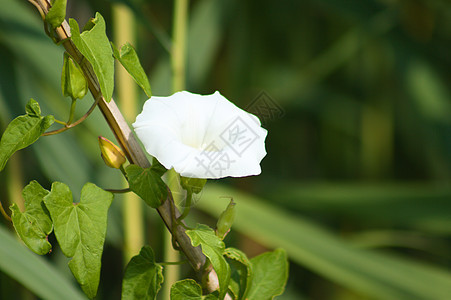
[
  {"x": 89, "y": 25},
  {"x": 73, "y": 82},
  {"x": 193, "y": 185},
  {"x": 226, "y": 220},
  {"x": 112, "y": 155}
]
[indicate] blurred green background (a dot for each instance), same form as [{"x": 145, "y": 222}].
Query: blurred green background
[{"x": 355, "y": 95}]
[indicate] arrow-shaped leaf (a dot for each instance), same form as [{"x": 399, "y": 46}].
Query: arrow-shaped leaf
[
  {"x": 129, "y": 60},
  {"x": 95, "y": 46},
  {"x": 80, "y": 230}
]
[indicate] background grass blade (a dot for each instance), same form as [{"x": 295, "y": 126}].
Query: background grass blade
[
  {"x": 33, "y": 271},
  {"x": 372, "y": 273}
]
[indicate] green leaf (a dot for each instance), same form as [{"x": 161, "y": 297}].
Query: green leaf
[
  {"x": 34, "y": 225},
  {"x": 143, "y": 277},
  {"x": 57, "y": 13},
  {"x": 242, "y": 274},
  {"x": 95, "y": 46},
  {"x": 189, "y": 289},
  {"x": 80, "y": 230},
  {"x": 129, "y": 59},
  {"x": 32, "y": 108},
  {"x": 73, "y": 82},
  {"x": 23, "y": 131},
  {"x": 213, "y": 248},
  {"x": 270, "y": 275},
  {"x": 34, "y": 272},
  {"x": 147, "y": 184}
]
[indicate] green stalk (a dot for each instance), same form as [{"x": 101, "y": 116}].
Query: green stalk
[
  {"x": 178, "y": 50},
  {"x": 124, "y": 28},
  {"x": 178, "y": 63},
  {"x": 72, "y": 111}
]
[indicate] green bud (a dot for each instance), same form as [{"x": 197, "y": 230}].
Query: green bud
[
  {"x": 225, "y": 220},
  {"x": 193, "y": 185},
  {"x": 73, "y": 82},
  {"x": 57, "y": 13},
  {"x": 112, "y": 155}
]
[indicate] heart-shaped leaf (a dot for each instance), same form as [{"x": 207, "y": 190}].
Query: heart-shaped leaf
[
  {"x": 80, "y": 230},
  {"x": 96, "y": 48}
]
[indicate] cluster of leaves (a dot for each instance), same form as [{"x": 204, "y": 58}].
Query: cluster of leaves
[
  {"x": 80, "y": 228},
  {"x": 261, "y": 277}
]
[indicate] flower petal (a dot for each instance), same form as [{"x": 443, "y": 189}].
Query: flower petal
[{"x": 202, "y": 136}]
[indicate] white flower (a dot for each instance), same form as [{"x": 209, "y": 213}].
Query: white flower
[{"x": 201, "y": 136}]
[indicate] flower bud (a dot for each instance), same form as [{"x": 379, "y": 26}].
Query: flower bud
[
  {"x": 112, "y": 155},
  {"x": 194, "y": 185},
  {"x": 225, "y": 220},
  {"x": 73, "y": 82}
]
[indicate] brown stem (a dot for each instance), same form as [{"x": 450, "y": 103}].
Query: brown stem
[{"x": 129, "y": 145}]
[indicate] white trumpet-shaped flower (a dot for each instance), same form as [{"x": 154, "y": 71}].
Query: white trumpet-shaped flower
[{"x": 201, "y": 136}]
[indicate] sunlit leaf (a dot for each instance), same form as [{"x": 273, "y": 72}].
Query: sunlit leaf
[
  {"x": 129, "y": 60},
  {"x": 80, "y": 230},
  {"x": 270, "y": 275},
  {"x": 95, "y": 46}
]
